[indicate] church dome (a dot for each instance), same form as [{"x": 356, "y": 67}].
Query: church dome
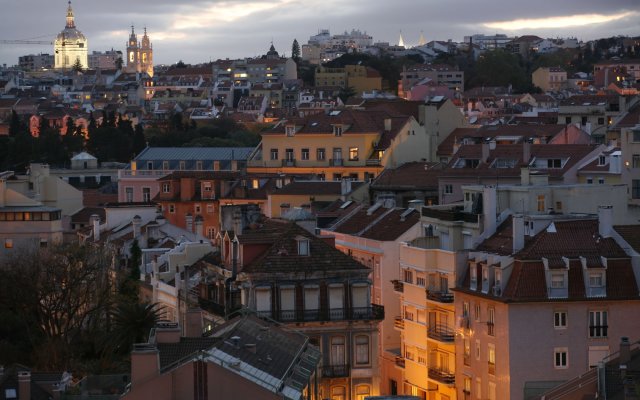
[{"x": 70, "y": 34}]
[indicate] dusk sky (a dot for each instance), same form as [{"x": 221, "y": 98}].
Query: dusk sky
[{"x": 202, "y": 30}]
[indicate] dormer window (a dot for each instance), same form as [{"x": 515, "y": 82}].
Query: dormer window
[
  {"x": 554, "y": 163},
  {"x": 602, "y": 160},
  {"x": 596, "y": 279},
  {"x": 337, "y": 130},
  {"x": 557, "y": 277},
  {"x": 290, "y": 130},
  {"x": 474, "y": 276},
  {"x": 557, "y": 281},
  {"x": 594, "y": 270},
  {"x": 303, "y": 246}
]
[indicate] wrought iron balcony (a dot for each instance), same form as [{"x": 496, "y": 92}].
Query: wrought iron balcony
[
  {"x": 440, "y": 296},
  {"x": 442, "y": 333},
  {"x": 398, "y": 286},
  {"x": 373, "y": 313},
  {"x": 335, "y": 371},
  {"x": 442, "y": 376}
]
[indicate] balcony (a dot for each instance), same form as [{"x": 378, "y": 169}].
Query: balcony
[
  {"x": 491, "y": 329},
  {"x": 451, "y": 214},
  {"x": 440, "y": 296},
  {"x": 373, "y": 313},
  {"x": 492, "y": 368},
  {"x": 398, "y": 286},
  {"x": 398, "y": 323},
  {"x": 442, "y": 376},
  {"x": 335, "y": 371},
  {"x": 336, "y": 162},
  {"x": 442, "y": 333},
  {"x": 289, "y": 163},
  {"x": 400, "y": 362},
  {"x": 373, "y": 162}
]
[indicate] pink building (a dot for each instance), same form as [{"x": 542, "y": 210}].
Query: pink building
[{"x": 538, "y": 309}]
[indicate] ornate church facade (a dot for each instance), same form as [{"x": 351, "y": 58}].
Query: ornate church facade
[
  {"x": 139, "y": 54},
  {"x": 70, "y": 46}
]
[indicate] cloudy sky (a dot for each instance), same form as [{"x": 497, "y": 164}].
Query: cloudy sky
[{"x": 202, "y": 30}]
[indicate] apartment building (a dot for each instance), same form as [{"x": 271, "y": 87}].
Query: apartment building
[
  {"x": 439, "y": 74},
  {"x": 549, "y": 79}
]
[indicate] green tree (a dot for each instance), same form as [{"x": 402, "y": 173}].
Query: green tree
[
  {"x": 499, "y": 68},
  {"x": 77, "y": 66},
  {"x": 295, "y": 50},
  {"x": 139, "y": 141}
]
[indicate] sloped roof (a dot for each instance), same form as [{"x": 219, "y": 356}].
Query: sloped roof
[
  {"x": 315, "y": 188},
  {"x": 411, "y": 175},
  {"x": 631, "y": 235},
  {"x": 282, "y": 254}
]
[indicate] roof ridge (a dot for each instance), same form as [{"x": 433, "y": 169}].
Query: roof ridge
[{"x": 375, "y": 221}]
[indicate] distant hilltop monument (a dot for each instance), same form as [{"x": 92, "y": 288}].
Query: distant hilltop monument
[{"x": 70, "y": 45}]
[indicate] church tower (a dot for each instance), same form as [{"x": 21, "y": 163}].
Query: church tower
[
  {"x": 139, "y": 54},
  {"x": 70, "y": 45}
]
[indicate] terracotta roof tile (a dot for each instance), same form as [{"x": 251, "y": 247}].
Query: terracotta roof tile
[
  {"x": 631, "y": 234},
  {"x": 416, "y": 175}
]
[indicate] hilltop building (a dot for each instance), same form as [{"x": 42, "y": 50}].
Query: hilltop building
[
  {"x": 70, "y": 45},
  {"x": 139, "y": 54}
]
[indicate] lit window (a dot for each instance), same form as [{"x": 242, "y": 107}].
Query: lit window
[
  {"x": 8, "y": 243},
  {"x": 353, "y": 153}
]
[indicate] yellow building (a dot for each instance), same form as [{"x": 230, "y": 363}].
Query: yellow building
[
  {"x": 359, "y": 77},
  {"x": 549, "y": 79},
  {"x": 70, "y": 45},
  {"x": 350, "y": 144}
]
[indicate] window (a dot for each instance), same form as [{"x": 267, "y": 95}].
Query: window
[
  {"x": 602, "y": 160},
  {"x": 465, "y": 309},
  {"x": 491, "y": 321},
  {"x": 467, "y": 350},
  {"x": 290, "y": 130},
  {"x": 362, "y": 392},
  {"x": 492, "y": 391},
  {"x": 199, "y": 165},
  {"x": 172, "y": 209},
  {"x": 337, "y": 130},
  {"x": 274, "y": 154},
  {"x": 408, "y": 276},
  {"x": 448, "y": 189},
  {"x": 589, "y": 180},
  {"x": 477, "y": 312},
  {"x": 149, "y": 165},
  {"x": 197, "y": 209},
  {"x": 337, "y": 351},
  {"x": 338, "y": 393},
  {"x": 635, "y": 161},
  {"x": 598, "y": 324},
  {"x": 560, "y": 357},
  {"x": 146, "y": 194},
  {"x": 128, "y": 194},
  {"x": 541, "y": 204},
  {"x": 353, "y": 153},
  {"x": 554, "y": 163},
  {"x": 466, "y": 388},
  {"x": 635, "y": 189},
  {"x": 595, "y": 279},
  {"x": 165, "y": 165},
  {"x": 303, "y": 247},
  {"x": 600, "y": 181},
  {"x": 478, "y": 388},
  {"x": 8, "y": 243},
  {"x": 320, "y": 154},
  {"x": 304, "y": 154},
  {"x": 182, "y": 165},
  {"x": 560, "y": 319},
  {"x": 288, "y": 153},
  {"x": 362, "y": 349},
  {"x": 557, "y": 281},
  {"x": 477, "y": 350},
  {"x": 166, "y": 187},
  {"x": 420, "y": 281},
  {"x": 567, "y": 120},
  {"x": 211, "y": 232}
]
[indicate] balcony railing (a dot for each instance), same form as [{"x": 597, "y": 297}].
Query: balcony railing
[
  {"x": 398, "y": 286},
  {"x": 492, "y": 368},
  {"x": 289, "y": 163},
  {"x": 398, "y": 322},
  {"x": 375, "y": 312},
  {"x": 491, "y": 329},
  {"x": 336, "y": 162},
  {"x": 450, "y": 215},
  {"x": 439, "y": 296},
  {"x": 442, "y": 376},
  {"x": 335, "y": 371},
  {"x": 441, "y": 332},
  {"x": 400, "y": 362},
  {"x": 372, "y": 162}
]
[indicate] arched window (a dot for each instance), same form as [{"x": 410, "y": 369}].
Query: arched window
[
  {"x": 338, "y": 393},
  {"x": 362, "y": 391}
]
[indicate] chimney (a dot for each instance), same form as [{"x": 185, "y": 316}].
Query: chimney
[
  {"x": 189, "y": 222},
  {"x": 485, "y": 152},
  {"x": 167, "y": 332},
  {"x": 625, "y": 351},
  {"x": 525, "y": 177},
  {"x": 199, "y": 227},
  {"x": 345, "y": 186},
  {"x": 526, "y": 152},
  {"x": 95, "y": 221},
  {"x": 136, "y": 226},
  {"x": 24, "y": 385},
  {"x": 518, "y": 233},
  {"x": 489, "y": 201},
  {"x": 194, "y": 323},
  {"x": 605, "y": 221},
  {"x": 145, "y": 363},
  {"x": 387, "y": 124}
]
